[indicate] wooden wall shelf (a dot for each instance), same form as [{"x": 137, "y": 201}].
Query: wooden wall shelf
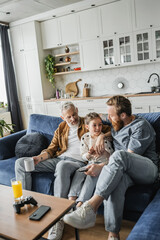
[
  {"x": 66, "y": 54},
  {"x": 64, "y": 63},
  {"x": 63, "y": 73}
]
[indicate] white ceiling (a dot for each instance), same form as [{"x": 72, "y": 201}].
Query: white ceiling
[{"x": 13, "y": 10}]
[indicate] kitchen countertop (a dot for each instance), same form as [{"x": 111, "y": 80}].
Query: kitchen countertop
[{"x": 103, "y": 97}]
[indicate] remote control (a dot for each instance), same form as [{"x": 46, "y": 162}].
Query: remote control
[{"x": 82, "y": 169}]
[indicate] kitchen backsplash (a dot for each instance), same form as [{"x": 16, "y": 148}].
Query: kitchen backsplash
[{"x": 104, "y": 82}]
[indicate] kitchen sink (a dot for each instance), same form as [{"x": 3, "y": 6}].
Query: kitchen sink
[{"x": 144, "y": 92}]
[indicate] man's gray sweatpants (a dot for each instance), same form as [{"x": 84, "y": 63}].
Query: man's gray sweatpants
[{"x": 62, "y": 167}]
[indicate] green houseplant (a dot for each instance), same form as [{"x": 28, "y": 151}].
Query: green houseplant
[
  {"x": 50, "y": 69},
  {"x": 5, "y": 126}
]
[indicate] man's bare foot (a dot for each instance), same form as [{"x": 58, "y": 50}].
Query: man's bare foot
[{"x": 79, "y": 204}]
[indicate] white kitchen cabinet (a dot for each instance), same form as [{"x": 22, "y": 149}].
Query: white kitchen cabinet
[
  {"x": 28, "y": 108},
  {"x": 90, "y": 55},
  {"x": 84, "y": 111},
  {"x": 53, "y": 108},
  {"x": 155, "y": 108},
  {"x": 26, "y": 62},
  {"x": 88, "y": 24},
  {"x": 156, "y": 44},
  {"x": 59, "y": 32},
  {"x": 145, "y": 104},
  {"x": 91, "y": 105},
  {"x": 23, "y": 37},
  {"x": 34, "y": 76},
  {"x": 143, "y": 47},
  {"x": 140, "y": 104},
  {"x": 117, "y": 50},
  {"x": 147, "y": 45},
  {"x": 16, "y": 39},
  {"x": 109, "y": 51},
  {"x": 38, "y": 108},
  {"x": 115, "y": 17},
  {"x": 138, "y": 108},
  {"x": 125, "y": 49},
  {"x": 28, "y": 76},
  {"x": 28, "y": 82},
  {"x": 21, "y": 76},
  {"x": 50, "y": 34},
  {"x": 68, "y": 29},
  {"x": 84, "y": 106},
  {"x": 145, "y": 13},
  {"x": 27, "y": 69}
]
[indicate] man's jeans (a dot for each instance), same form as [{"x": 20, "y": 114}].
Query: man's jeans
[
  {"x": 63, "y": 173},
  {"x": 124, "y": 169}
]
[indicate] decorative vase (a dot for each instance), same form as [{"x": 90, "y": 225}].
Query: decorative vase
[{"x": 67, "y": 49}]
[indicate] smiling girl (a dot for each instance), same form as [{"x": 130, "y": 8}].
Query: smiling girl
[{"x": 83, "y": 186}]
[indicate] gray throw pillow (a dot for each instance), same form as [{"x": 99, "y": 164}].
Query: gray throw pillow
[{"x": 30, "y": 145}]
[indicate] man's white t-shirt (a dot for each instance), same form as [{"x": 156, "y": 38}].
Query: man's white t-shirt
[{"x": 73, "y": 150}]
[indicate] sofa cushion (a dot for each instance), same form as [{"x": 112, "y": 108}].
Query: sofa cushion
[
  {"x": 8, "y": 143},
  {"x": 43, "y": 182},
  {"x": 30, "y": 145},
  {"x": 44, "y": 124}
]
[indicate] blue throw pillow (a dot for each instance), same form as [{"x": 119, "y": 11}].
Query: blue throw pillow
[{"x": 30, "y": 145}]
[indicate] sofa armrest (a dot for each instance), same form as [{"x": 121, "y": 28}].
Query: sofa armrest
[{"x": 8, "y": 143}]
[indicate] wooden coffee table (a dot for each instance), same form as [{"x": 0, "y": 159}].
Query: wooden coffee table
[{"x": 18, "y": 226}]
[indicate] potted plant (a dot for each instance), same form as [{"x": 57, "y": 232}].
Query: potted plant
[
  {"x": 50, "y": 69},
  {"x": 5, "y": 127},
  {"x": 3, "y": 107}
]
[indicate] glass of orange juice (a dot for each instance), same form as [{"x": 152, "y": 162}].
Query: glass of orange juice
[{"x": 17, "y": 189}]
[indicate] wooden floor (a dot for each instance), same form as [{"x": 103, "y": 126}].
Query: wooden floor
[{"x": 97, "y": 232}]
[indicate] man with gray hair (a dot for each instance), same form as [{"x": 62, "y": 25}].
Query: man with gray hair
[{"x": 62, "y": 157}]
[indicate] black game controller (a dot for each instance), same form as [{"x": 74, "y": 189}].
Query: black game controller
[{"x": 28, "y": 200}]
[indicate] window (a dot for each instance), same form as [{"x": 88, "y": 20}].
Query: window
[{"x": 3, "y": 97}]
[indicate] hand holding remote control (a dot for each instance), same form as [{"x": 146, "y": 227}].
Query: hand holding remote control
[{"x": 82, "y": 169}]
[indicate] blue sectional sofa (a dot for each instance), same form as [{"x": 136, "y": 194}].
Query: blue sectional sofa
[
  {"x": 138, "y": 197},
  {"x": 148, "y": 225}
]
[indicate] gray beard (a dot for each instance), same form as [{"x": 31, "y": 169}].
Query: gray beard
[{"x": 73, "y": 126}]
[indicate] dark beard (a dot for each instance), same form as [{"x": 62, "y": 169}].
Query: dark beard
[{"x": 117, "y": 125}]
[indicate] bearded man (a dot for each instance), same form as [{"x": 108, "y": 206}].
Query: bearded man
[{"x": 133, "y": 162}]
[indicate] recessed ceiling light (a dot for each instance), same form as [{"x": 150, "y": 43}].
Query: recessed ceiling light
[
  {"x": 8, "y": 13},
  {"x": 72, "y": 10},
  {"x": 54, "y": 16},
  {"x": 93, "y": 5}
]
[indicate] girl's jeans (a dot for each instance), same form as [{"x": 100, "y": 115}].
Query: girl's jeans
[{"x": 82, "y": 186}]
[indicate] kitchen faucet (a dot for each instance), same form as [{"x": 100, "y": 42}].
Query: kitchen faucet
[{"x": 158, "y": 79}]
